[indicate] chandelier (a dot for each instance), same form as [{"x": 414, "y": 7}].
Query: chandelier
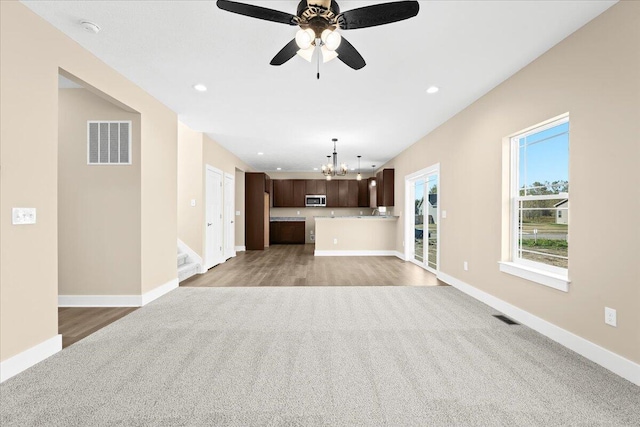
[{"x": 331, "y": 168}]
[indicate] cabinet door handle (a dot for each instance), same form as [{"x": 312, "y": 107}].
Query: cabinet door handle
[{"x": 209, "y": 224}]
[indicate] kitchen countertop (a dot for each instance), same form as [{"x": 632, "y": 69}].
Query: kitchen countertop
[
  {"x": 287, "y": 219},
  {"x": 358, "y": 217}
]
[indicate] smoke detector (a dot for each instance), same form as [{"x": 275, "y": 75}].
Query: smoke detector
[{"x": 90, "y": 27}]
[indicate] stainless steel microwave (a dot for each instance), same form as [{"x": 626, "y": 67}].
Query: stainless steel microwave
[{"x": 315, "y": 201}]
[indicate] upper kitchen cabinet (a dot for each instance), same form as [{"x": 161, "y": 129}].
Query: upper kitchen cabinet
[
  {"x": 363, "y": 193},
  {"x": 385, "y": 184},
  {"x": 299, "y": 193},
  {"x": 333, "y": 194}
]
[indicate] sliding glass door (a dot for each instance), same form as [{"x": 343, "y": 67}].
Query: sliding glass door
[{"x": 423, "y": 218}]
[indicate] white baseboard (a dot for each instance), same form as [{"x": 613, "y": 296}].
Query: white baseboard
[
  {"x": 615, "y": 363},
  {"x": 99, "y": 300},
  {"x": 354, "y": 253},
  {"x": 22, "y": 361},
  {"x": 400, "y": 255},
  {"x": 159, "y": 291},
  {"x": 241, "y": 248},
  {"x": 116, "y": 300}
]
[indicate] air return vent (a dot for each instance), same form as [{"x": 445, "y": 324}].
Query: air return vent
[
  {"x": 108, "y": 143},
  {"x": 505, "y": 319}
]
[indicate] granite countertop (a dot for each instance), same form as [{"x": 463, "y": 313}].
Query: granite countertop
[
  {"x": 287, "y": 219},
  {"x": 359, "y": 217}
]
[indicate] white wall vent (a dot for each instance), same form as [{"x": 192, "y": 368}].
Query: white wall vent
[{"x": 108, "y": 143}]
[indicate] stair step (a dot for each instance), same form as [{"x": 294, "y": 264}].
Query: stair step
[
  {"x": 182, "y": 259},
  {"x": 187, "y": 270}
]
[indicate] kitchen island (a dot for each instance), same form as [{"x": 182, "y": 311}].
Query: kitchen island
[{"x": 356, "y": 235}]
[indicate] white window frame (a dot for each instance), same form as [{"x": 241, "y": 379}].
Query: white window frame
[
  {"x": 544, "y": 274},
  {"x": 89, "y": 122}
]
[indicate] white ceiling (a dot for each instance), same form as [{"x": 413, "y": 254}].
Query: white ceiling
[{"x": 464, "y": 47}]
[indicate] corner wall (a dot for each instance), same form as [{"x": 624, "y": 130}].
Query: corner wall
[
  {"x": 195, "y": 151},
  {"x": 98, "y": 205},
  {"x": 31, "y": 54},
  {"x": 593, "y": 75}
]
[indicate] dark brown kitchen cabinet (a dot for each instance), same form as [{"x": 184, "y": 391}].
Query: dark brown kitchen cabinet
[
  {"x": 343, "y": 193},
  {"x": 385, "y": 184},
  {"x": 352, "y": 200},
  {"x": 278, "y": 193},
  {"x": 299, "y": 192},
  {"x": 256, "y": 201},
  {"x": 363, "y": 193},
  {"x": 321, "y": 188},
  {"x": 310, "y": 187},
  {"x": 287, "y": 232},
  {"x": 333, "y": 194}
]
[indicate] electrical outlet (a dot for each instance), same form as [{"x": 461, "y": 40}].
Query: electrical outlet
[
  {"x": 465, "y": 265},
  {"x": 298, "y": 212},
  {"x": 360, "y": 212},
  {"x": 335, "y": 241},
  {"x": 444, "y": 214},
  {"x": 237, "y": 213},
  {"x": 331, "y": 212},
  {"x": 610, "y": 316},
  {"x": 193, "y": 202}
]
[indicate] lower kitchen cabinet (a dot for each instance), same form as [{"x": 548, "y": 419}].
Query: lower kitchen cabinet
[{"x": 287, "y": 232}]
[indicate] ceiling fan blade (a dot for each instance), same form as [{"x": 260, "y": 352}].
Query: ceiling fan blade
[
  {"x": 287, "y": 52},
  {"x": 379, "y": 14},
  {"x": 257, "y": 12},
  {"x": 349, "y": 55}
]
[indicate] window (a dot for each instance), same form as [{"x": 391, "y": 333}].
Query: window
[
  {"x": 539, "y": 195},
  {"x": 108, "y": 143}
]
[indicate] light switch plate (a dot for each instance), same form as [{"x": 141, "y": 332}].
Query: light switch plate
[
  {"x": 237, "y": 213},
  {"x": 23, "y": 216},
  {"x": 444, "y": 214},
  {"x": 193, "y": 202}
]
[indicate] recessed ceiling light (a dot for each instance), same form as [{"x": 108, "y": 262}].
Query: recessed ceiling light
[
  {"x": 90, "y": 27},
  {"x": 279, "y": 169},
  {"x": 315, "y": 169},
  {"x": 352, "y": 169},
  {"x": 261, "y": 154},
  {"x": 433, "y": 89},
  {"x": 200, "y": 87}
]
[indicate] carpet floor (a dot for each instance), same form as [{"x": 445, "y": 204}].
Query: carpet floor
[{"x": 317, "y": 356}]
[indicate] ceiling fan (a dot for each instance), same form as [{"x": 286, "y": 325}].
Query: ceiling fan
[{"x": 318, "y": 21}]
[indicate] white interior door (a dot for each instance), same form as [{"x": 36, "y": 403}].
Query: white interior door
[
  {"x": 214, "y": 226},
  {"x": 229, "y": 216}
]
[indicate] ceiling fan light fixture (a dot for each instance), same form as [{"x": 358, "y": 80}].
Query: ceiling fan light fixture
[
  {"x": 307, "y": 53},
  {"x": 332, "y": 40},
  {"x": 328, "y": 55},
  {"x": 304, "y": 38}
]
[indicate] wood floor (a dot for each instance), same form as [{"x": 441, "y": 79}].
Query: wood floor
[
  {"x": 75, "y": 324},
  {"x": 295, "y": 265}
]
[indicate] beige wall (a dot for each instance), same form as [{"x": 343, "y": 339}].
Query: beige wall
[
  {"x": 355, "y": 234},
  {"x": 195, "y": 151},
  {"x": 98, "y": 206},
  {"x": 190, "y": 187},
  {"x": 31, "y": 53},
  {"x": 593, "y": 75}
]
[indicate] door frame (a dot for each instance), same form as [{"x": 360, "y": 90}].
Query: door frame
[
  {"x": 229, "y": 209},
  {"x": 217, "y": 171},
  {"x": 409, "y": 219}
]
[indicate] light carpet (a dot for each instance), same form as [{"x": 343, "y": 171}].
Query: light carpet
[{"x": 317, "y": 356}]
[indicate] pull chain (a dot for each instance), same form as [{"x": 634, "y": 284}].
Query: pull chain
[{"x": 319, "y": 52}]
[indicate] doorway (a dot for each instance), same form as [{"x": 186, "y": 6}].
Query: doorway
[
  {"x": 422, "y": 222},
  {"x": 214, "y": 222}
]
